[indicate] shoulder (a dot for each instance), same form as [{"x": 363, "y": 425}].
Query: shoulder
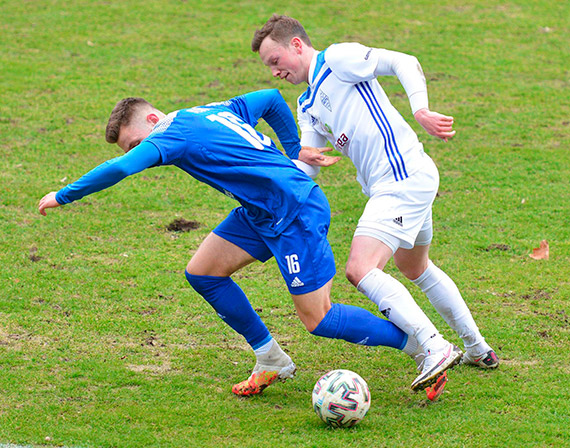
[
  {"x": 173, "y": 130},
  {"x": 257, "y": 98},
  {"x": 336, "y": 53},
  {"x": 351, "y": 62}
]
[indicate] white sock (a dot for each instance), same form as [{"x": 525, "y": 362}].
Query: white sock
[
  {"x": 412, "y": 348},
  {"x": 396, "y": 303},
  {"x": 446, "y": 299},
  {"x": 264, "y": 349}
]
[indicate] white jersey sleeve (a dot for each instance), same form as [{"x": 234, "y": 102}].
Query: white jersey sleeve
[
  {"x": 310, "y": 170},
  {"x": 354, "y": 63},
  {"x": 309, "y": 137}
]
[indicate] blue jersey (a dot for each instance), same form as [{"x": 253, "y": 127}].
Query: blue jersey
[{"x": 218, "y": 145}]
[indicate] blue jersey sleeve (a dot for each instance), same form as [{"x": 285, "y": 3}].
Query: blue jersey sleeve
[
  {"x": 270, "y": 105},
  {"x": 110, "y": 172}
]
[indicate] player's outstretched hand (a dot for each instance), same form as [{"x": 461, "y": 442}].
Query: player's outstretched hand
[
  {"x": 315, "y": 156},
  {"x": 48, "y": 201},
  {"x": 435, "y": 124}
]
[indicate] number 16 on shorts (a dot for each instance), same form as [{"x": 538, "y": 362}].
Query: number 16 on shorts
[{"x": 293, "y": 263}]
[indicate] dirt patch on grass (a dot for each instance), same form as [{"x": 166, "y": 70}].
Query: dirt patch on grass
[
  {"x": 33, "y": 255},
  {"x": 500, "y": 247},
  {"x": 182, "y": 225},
  {"x": 150, "y": 369},
  {"x": 539, "y": 294},
  {"x": 19, "y": 341}
]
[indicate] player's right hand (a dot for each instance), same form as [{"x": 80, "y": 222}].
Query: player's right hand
[
  {"x": 48, "y": 201},
  {"x": 315, "y": 156}
]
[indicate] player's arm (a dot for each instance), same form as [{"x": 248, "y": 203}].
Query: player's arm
[
  {"x": 104, "y": 176},
  {"x": 410, "y": 74},
  {"x": 311, "y": 157},
  {"x": 270, "y": 105},
  {"x": 355, "y": 63}
]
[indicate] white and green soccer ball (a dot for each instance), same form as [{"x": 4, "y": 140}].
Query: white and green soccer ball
[{"x": 341, "y": 398}]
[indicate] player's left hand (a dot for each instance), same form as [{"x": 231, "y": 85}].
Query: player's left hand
[
  {"x": 48, "y": 201},
  {"x": 435, "y": 123},
  {"x": 314, "y": 156}
]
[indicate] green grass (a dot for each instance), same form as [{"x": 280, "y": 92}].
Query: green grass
[{"x": 102, "y": 342}]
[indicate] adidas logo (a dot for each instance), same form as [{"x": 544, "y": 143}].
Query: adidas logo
[
  {"x": 296, "y": 283},
  {"x": 399, "y": 221}
]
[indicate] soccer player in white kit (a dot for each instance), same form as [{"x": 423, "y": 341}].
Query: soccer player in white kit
[{"x": 345, "y": 105}]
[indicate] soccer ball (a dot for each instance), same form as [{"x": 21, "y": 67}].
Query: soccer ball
[{"x": 341, "y": 398}]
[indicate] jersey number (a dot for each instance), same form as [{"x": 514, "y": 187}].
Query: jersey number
[
  {"x": 293, "y": 263},
  {"x": 229, "y": 120}
]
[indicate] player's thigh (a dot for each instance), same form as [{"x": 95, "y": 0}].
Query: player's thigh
[
  {"x": 232, "y": 245},
  {"x": 413, "y": 262},
  {"x": 218, "y": 257},
  {"x": 395, "y": 218},
  {"x": 302, "y": 251}
]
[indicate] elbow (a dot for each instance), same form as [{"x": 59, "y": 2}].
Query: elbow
[
  {"x": 275, "y": 93},
  {"x": 118, "y": 171},
  {"x": 310, "y": 170},
  {"x": 415, "y": 63}
]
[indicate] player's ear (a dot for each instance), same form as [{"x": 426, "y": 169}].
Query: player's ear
[
  {"x": 296, "y": 43},
  {"x": 152, "y": 118}
]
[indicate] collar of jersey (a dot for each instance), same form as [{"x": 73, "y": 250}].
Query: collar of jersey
[
  {"x": 318, "y": 61},
  {"x": 163, "y": 124}
]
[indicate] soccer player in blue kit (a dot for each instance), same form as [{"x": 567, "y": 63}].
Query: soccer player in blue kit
[
  {"x": 282, "y": 213},
  {"x": 345, "y": 105}
]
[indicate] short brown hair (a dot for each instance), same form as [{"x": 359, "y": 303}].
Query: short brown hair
[
  {"x": 121, "y": 116},
  {"x": 281, "y": 29}
]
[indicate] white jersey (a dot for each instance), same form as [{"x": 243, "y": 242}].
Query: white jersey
[{"x": 345, "y": 105}]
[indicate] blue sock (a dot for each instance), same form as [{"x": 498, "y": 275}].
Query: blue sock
[
  {"x": 231, "y": 304},
  {"x": 359, "y": 326}
]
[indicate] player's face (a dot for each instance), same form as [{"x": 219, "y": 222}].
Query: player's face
[
  {"x": 139, "y": 129},
  {"x": 130, "y": 136},
  {"x": 285, "y": 62}
]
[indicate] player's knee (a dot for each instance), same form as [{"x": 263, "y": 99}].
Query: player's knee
[
  {"x": 310, "y": 326},
  {"x": 195, "y": 268},
  {"x": 313, "y": 321},
  {"x": 196, "y": 281},
  {"x": 311, "y": 318},
  {"x": 354, "y": 273},
  {"x": 412, "y": 271},
  {"x": 189, "y": 268}
]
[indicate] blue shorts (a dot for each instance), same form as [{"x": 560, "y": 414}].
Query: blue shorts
[{"x": 302, "y": 250}]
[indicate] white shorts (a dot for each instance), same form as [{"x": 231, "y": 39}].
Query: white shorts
[{"x": 400, "y": 214}]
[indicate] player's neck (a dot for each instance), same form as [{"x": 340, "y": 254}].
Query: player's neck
[{"x": 309, "y": 57}]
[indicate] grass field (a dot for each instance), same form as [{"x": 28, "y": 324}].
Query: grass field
[{"x": 103, "y": 343}]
